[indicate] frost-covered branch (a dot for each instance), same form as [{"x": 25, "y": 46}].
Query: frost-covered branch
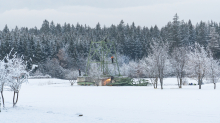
[
  {"x": 179, "y": 61},
  {"x": 17, "y": 74},
  {"x": 160, "y": 53},
  {"x": 197, "y": 67}
]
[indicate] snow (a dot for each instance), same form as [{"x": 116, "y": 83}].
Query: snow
[{"x": 55, "y": 101}]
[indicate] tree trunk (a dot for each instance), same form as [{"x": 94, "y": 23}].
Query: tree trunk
[
  {"x": 14, "y": 99},
  {"x": 178, "y": 81},
  {"x": 156, "y": 81},
  {"x": 214, "y": 85},
  {"x": 17, "y": 98},
  {"x": 15, "y": 102},
  {"x": 3, "y": 102},
  {"x": 200, "y": 84},
  {"x": 154, "y": 84},
  {"x": 180, "y": 86},
  {"x": 161, "y": 83},
  {"x": 71, "y": 83}
]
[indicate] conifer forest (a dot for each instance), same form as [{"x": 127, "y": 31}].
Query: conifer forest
[{"x": 59, "y": 48}]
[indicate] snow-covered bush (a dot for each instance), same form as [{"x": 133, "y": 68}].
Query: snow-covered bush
[
  {"x": 72, "y": 76},
  {"x": 95, "y": 73},
  {"x": 132, "y": 69},
  {"x": 53, "y": 68},
  {"x": 121, "y": 59},
  {"x": 124, "y": 69},
  {"x": 113, "y": 69}
]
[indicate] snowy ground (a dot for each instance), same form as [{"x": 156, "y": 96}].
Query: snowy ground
[{"x": 55, "y": 101}]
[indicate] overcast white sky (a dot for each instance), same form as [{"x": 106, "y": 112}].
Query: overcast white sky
[{"x": 31, "y": 13}]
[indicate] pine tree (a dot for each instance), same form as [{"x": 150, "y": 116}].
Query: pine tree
[
  {"x": 71, "y": 49},
  {"x": 37, "y": 58},
  {"x": 214, "y": 43},
  {"x": 184, "y": 34},
  {"x": 202, "y": 34},
  {"x": 45, "y": 28},
  {"x": 25, "y": 49},
  {"x": 176, "y": 41},
  {"x": 7, "y": 46},
  {"x": 2, "y": 49},
  {"x": 121, "y": 42},
  {"x": 6, "y": 30},
  {"x": 156, "y": 32},
  {"x": 31, "y": 47},
  {"x": 192, "y": 34},
  {"x": 64, "y": 28},
  {"x": 52, "y": 28},
  {"x": 131, "y": 42},
  {"x": 58, "y": 29}
]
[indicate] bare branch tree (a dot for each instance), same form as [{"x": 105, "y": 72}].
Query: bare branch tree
[
  {"x": 160, "y": 52},
  {"x": 4, "y": 72},
  {"x": 213, "y": 70},
  {"x": 17, "y": 75},
  {"x": 150, "y": 69},
  {"x": 197, "y": 67},
  {"x": 178, "y": 61},
  {"x": 3, "y": 79}
]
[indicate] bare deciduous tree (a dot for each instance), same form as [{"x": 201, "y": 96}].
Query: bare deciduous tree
[
  {"x": 17, "y": 75},
  {"x": 213, "y": 70},
  {"x": 179, "y": 61},
  {"x": 160, "y": 52},
  {"x": 3, "y": 79},
  {"x": 197, "y": 67},
  {"x": 150, "y": 69}
]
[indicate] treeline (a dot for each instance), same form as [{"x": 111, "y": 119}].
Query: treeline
[{"x": 55, "y": 47}]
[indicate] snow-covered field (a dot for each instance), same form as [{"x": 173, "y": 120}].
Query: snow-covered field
[{"x": 55, "y": 101}]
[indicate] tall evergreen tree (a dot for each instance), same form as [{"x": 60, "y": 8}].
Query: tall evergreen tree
[
  {"x": 52, "y": 27},
  {"x": 37, "y": 58},
  {"x": 202, "y": 34},
  {"x": 192, "y": 34},
  {"x": 176, "y": 42},
  {"x": 6, "y": 29},
  {"x": 45, "y": 28}
]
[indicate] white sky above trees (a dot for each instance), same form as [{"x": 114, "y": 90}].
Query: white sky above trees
[{"x": 31, "y": 13}]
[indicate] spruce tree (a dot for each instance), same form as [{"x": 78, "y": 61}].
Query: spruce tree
[
  {"x": 37, "y": 58},
  {"x": 52, "y": 28},
  {"x": 45, "y": 28},
  {"x": 192, "y": 34},
  {"x": 176, "y": 42},
  {"x": 6, "y": 29},
  {"x": 202, "y": 34}
]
